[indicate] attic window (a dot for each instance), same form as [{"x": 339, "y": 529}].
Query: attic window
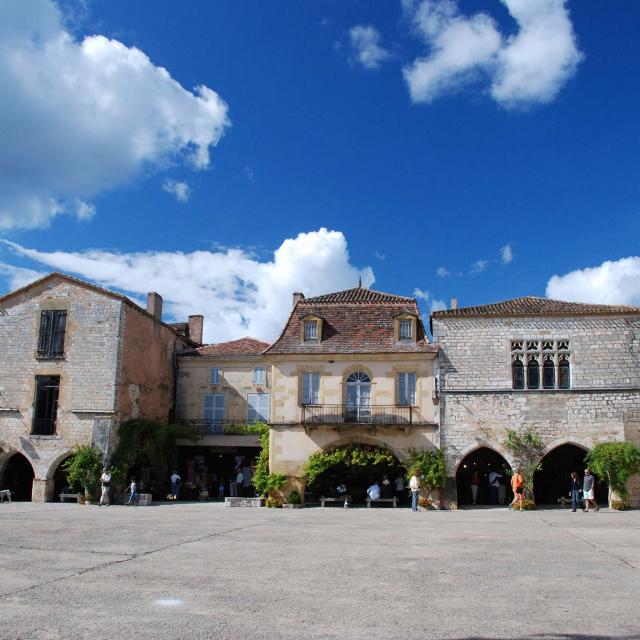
[
  {"x": 310, "y": 330},
  {"x": 405, "y": 329}
]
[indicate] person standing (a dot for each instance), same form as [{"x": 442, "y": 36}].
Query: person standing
[
  {"x": 494, "y": 483},
  {"x": 386, "y": 490},
  {"x": 105, "y": 480},
  {"x": 475, "y": 483},
  {"x": 133, "y": 488},
  {"x": 517, "y": 486},
  {"x": 575, "y": 491},
  {"x": 414, "y": 486},
  {"x": 399, "y": 488},
  {"x": 240, "y": 482},
  {"x": 589, "y": 490},
  {"x": 175, "y": 484}
]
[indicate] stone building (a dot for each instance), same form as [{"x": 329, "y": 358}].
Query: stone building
[
  {"x": 221, "y": 386},
  {"x": 567, "y": 371},
  {"x": 77, "y": 360},
  {"x": 352, "y": 367}
]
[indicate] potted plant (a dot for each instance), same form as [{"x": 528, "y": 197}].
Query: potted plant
[{"x": 617, "y": 462}]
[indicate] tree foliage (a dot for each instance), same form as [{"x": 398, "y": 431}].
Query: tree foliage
[
  {"x": 616, "y": 461},
  {"x": 84, "y": 469},
  {"x": 527, "y": 449},
  {"x": 263, "y": 480},
  {"x": 431, "y": 466},
  {"x": 352, "y": 456}
]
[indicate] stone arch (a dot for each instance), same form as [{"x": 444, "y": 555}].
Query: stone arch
[
  {"x": 480, "y": 444},
  {"x": 56, "y": 462},
  {"x": 18, "y": 475},
  {"x": 476, "y": 484}
]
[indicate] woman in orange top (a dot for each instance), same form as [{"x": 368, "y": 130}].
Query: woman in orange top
[{"x": 517, "y": 486}]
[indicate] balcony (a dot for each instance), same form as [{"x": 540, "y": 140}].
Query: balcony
[{"x": 375, "y": 415}]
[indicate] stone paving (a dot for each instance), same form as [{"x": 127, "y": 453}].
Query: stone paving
[{"x": 202, "y": 571}]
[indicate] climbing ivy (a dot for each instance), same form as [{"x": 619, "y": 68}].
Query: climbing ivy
[
  {"x": 428, "y": 465},
  {"x": 352, "y": 456},
  {"x": 263, "y": 480}
]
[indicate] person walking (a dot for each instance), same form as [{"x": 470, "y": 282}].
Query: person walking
[
  {"x": 475, "y": 483},
  {"x": 133, "y": 488},
  {"x": 517, "y": 486},
  {"x": 589, "y": 490},
  {"x": 175, "y": 484},
  {"x": 494, "y": 483},
  {"x": 105, "y": 480},
  {"x": 575, "y": 491},
  {"x": 414, "y": 486},
  {"x": 399, "y": 488}
]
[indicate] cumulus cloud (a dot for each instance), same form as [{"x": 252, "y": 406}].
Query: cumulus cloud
[
  {"x": 81, "y": 117},
  {"x": 479, "y": 266},
  {"x": 613, "y": 282},
  {"x": 238, "y": 293},
  {"x": 437, "y": 305},
  {"x": 365, "y": 42},
  {"x": 421, "y": 295},
  {"x": 530, "y": 66},
  {"x": 442, "y": 272},
  {"x": 506, "y": 254},
  {"x": 18, "y": 277},
  {"x": 180, "y": 190}
]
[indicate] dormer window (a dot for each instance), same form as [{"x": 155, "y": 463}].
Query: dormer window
[
  {"x": 405, "y": 329},
  {"x": 310, "y": 330}
]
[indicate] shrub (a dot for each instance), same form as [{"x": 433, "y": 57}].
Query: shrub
[
  {"x": 295, "y": 498},
  {"x": 84, "y": 469},
  {"x": 273, "y": 503},
  {"x": 527, "y": 505},
  {"x": 527, "y": 449},
  {"x": 615, "y": 461},
  {"x": 620, "y": 505},
  {"x": 430, "y": 466},
  {"x": 352, "y": 456},
  {"x": 425, "y": 503}
]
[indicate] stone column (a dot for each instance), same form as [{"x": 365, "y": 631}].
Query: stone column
[{"x": 42, "y": 490}]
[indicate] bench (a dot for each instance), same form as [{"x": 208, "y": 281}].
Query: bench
[
  {"x": 5, "y": 494},
  {"x": 70, "y": 496},
  {"x": 341, "y": 499},
  {"x": 394, "y": 500}
]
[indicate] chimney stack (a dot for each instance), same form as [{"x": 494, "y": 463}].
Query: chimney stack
[
  {"x": 454, "y": 303},
  {"x": 297, "y": 296},
  {"x": 154, "y": 305},
  {"x": 195, "y": 328}
]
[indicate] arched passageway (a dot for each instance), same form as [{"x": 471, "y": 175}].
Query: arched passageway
[
  {"x": 552, "y": 480},
  {"x": 18, "y": 477},
  {"x": 378, "y": 463},
  {"x": 475, "y": 470},
  {"x": 60, "y": 481}
]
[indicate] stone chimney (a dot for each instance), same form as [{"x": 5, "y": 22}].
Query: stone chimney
[
  {"x": 195, "y": 328},
  {"x": 154, "y": 305},
  {"x": 454, "y": 303},
  {"x": 297, "y": 296}
]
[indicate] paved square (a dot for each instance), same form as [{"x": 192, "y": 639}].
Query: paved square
[{"x": 203, "y": 571}]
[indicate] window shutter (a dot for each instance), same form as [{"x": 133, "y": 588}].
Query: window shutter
[
  {"x": 44, "y": 339},
  {"x": 259, "y": 375},
  {"x": 407, "y": 388},
  {"x": 310, "y": 388},
  {"x": 215, "y": 375},
  {"x": 59, "y": 327}
]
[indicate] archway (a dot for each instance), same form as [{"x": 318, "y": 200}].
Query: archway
[
  {"x": 357, "y": 466},
  {"x": 482, "y": 462},
  {"x": 552, "y": 480},
  {"x": 18, "y": 477},
  {"x": 60, "y": 480}
]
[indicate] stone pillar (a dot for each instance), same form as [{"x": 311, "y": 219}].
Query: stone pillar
[{"x": 42, "y": 490}]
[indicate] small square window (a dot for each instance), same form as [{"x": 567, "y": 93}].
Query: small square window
[
  {"x": 405, "y": 329},
  {"x": 311, "y": 330},
  {"x": 259, "y": 375},
  {"x": 216, "y": 375}
]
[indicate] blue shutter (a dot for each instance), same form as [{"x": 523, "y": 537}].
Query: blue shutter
[
  {"x": 215, "y": 375},
  {"x": 214, "y": 407},
  {"x": 258, "y": 406}
]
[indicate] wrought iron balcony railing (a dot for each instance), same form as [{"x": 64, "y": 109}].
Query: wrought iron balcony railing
[{"x": 373, "y": 414}]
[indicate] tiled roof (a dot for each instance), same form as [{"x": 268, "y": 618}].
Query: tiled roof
[
  {"x": 535, "y": 306},
  {"x": 357, "y": 295},
  {"x": 353, "y": 321},
  {"x": 234, "y": 348}
]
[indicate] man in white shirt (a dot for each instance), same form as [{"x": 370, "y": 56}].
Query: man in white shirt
[
  {"x": 374, "y": 491},
  {"x": 414, "y": 485},
  {"x": 105, "y": 479}
]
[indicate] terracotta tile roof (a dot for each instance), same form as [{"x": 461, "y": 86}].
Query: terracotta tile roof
[
  {"x": 354, "y": 321},
  {"x": 535, "y": 306},
  {"x": 234, "y": 348}
]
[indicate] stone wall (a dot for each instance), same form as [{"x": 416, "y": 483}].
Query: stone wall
[
  {"x": 87, "y": 374},
  {"x": 478, "y": 403}
]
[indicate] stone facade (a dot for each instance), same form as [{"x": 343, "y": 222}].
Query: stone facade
[
  {"x": 478, "y": 403},
  {"x": 117, "y": 365}
]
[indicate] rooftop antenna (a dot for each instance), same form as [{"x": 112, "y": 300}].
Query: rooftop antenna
[{"x": 360, "y": 282}]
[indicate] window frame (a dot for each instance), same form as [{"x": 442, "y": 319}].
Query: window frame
[
  {"x": 259, "y": 380},
  {"x": 310, "y": 324},
  {"x": 314, "y": 394},
  {"x": 52, "y": 333},
  {"x": 215, "y": 376},
  {"x": 214, "y": 420},
  {"x": 551, "y": 357},
  {"x": 408, "y": 400},
  {"x": 258, "y": 417},
  {"x": 49, "y": 412},
  {"x": 405, "y": 324}
]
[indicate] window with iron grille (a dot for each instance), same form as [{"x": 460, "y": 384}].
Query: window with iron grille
[
  {"x": 46, "y": 405},
  {"x": 53, "y": 325},
  {"x": 311, "y": 330}
]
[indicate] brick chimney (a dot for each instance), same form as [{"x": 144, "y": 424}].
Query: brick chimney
[
  {"x": 154, "y": 305},
  {"x": 297, "y": 296},
  {"x": 195, "y": 328},
  {"x": 454, "y": 303}
]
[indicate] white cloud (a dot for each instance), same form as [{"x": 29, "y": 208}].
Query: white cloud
[
  {"x": 528, "y": 67},
  {"x": 421, "y": 295},
  {"x": 443, "y": 272},
  {"x": 365, "y": 41},
  {"x": 479, "y": 266},
  {"x": 506, "y": 254},
  {"x": 18, "y": 277},
  {"x": 180, "y": 190},
  {"x": 437, "y": 305},
  {"x": 613, "y": 282},
  {"x": 237, "y": 292},
  {"x": 81, "y": 117}
]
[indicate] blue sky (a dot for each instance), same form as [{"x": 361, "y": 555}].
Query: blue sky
[{"x": 483, "y": 152}]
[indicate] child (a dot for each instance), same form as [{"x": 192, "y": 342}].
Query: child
[{"x": 133, "y": 487}]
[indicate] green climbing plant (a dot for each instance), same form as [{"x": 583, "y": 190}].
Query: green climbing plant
[
  {"x": 84, "y": 469},
  {"x": 617, "y": 462},
  {"x": 430, "y": 465},
  {"x": 527, "y": 449},
  {"x": 263, "y": 480},
  {"x": 352, "y": 456}
]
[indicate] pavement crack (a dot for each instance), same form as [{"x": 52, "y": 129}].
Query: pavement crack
[
  {"x": 595, "y": 546},
  {"x": 127, "y": 558}
]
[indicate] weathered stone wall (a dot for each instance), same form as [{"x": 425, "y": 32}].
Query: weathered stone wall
[
  {"x": 194, "y": 380},
  {"x": 478, "y": 403},
  {"x": 87, "y": 374}
]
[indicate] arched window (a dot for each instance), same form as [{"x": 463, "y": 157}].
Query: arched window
[
  {"x": 564, "y": 374},
  {"x": 548, "y": 374},
  {"x": 358, "y": 376},
  {"x": 533, "y": 374},
  {"x": 517, "y": 373}
]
